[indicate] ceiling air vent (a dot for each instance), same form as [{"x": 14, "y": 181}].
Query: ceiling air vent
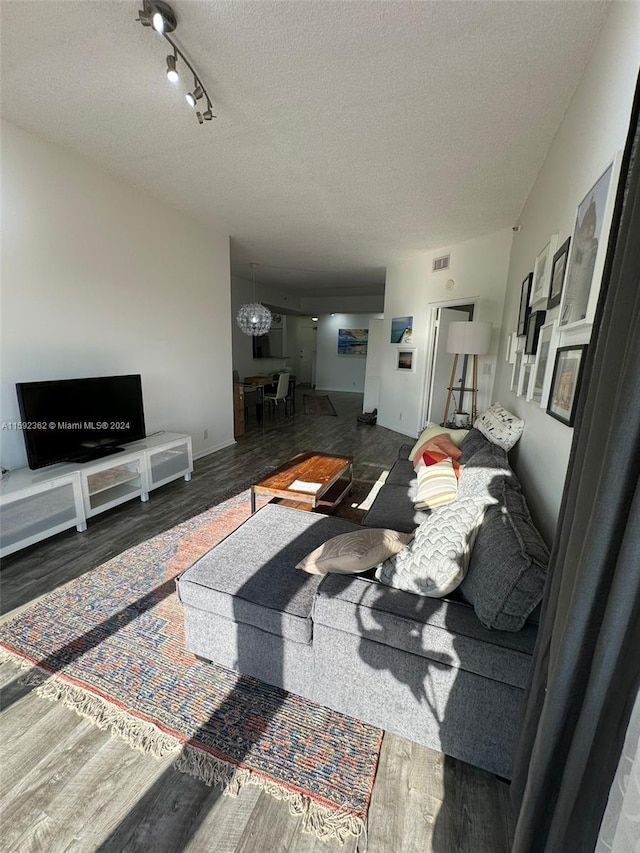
[{"x": 441, "y": 263}]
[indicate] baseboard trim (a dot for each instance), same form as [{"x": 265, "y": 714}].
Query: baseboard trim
[{"x": 209, "y": 450}]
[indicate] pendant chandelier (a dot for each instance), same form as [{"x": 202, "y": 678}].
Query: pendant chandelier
[{"x": 253, "y": 318}]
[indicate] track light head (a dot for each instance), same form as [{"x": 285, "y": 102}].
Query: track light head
[
  {"x": 200, "y": 117},
  {"x": 159, "y": 15},
  {"x": 172, "y": 71},
  {"x": 194, "y": 96},
  {"x": 208, "y": 115}
]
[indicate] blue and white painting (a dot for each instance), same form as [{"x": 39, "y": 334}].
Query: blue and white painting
[
  {"x": 352, "y": 341},
  {"x": 401, "y": 330}
]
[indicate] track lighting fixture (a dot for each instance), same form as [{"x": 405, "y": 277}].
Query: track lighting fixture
[
  {"x": 160, "y": 17},
  {"x": 194, "y": 96},
  {"x": 172, "y": 72}
]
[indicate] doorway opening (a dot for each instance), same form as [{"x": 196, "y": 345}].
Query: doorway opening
[{"x": 439, "y": 377}]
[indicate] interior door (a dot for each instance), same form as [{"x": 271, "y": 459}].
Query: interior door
[
  {"x": 307, "y": 335},
  {"x": 443, "y": 360}
]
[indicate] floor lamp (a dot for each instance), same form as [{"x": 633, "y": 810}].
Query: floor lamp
[{"x": 467, "y": 338}]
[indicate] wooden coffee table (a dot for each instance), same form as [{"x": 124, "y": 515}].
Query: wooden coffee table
[{"x": 308, "y": 481}]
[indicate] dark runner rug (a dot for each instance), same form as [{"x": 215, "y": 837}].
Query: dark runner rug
[
  {"x": 318, "y": 405},
  {"x": 109, "y": 645}
]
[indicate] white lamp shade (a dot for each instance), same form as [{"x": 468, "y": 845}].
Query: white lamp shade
[{"x": 469, "y": 338}]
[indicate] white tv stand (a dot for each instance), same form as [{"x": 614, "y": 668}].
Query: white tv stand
[{"x": 37, "y": 504}]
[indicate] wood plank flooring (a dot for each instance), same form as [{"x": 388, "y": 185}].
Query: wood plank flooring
[{"x": 68, "y": 786}]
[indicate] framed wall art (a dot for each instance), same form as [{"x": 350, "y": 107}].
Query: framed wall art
[
  {"x": 401, "y": 330},
  {"x": 353, "y": 341},
  {"x": 524, "y": 378},
  {"x": 523, "y": 314},
  {"x": 515, "y": 376},
  {"x": 565, "y": 384},
  {"x": 512, "y": 347},
  {"x": 558, "y": 270},
  {"x": 588, "y": 249},
  {"x": 536, "y": 321},
  {"x": 545, "y": 354},
  {"x": 405, "y": 360},
  {"x": 542, "y": 272}
]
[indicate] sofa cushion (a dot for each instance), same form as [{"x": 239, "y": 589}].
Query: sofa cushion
[
  {"x": 484, "y": 474},
  {"x": 508, "y": 566},
  {"x": 436, "y": 561},
  {"x": 472, "y": 442},
  {"x": 354, "y": 552},
  {"x": 401, "y": 473},
  {"x": 393, "y": 507},
  {"x": 251, "y": 577},
  {"x": 444, "y": 631},
  {"x": 500, "y": 426}
]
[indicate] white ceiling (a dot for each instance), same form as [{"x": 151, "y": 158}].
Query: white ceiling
[{"x": 350, "y": 135}]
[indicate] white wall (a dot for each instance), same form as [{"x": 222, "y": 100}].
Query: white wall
[
  {"x": 99, "y": 278},
  {"x": 479, "y": 273},
  {"x": 339, "y": 372},
  {"x": 593, "y": 129}
]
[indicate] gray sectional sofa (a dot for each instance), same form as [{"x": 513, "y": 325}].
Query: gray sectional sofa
[{"x": 425, "y": 668}]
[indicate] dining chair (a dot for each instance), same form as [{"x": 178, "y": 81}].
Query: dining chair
[{"x": 282, "y": 390}]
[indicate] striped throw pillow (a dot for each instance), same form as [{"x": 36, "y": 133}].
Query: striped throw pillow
[{"x": 437, "y": 484}]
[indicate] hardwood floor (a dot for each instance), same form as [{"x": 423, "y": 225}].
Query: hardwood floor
[{"x": 68, "y": 786}]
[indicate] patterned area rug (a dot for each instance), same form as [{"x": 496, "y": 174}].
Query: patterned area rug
[
  {"x": 318, "y": 405},
  {"x": 109, "y": 644}
]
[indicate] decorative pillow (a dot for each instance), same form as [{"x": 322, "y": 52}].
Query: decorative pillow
[
  {"x": 500, "y": 426},
  {"x": 508, "y": 566},
  {"x": 431, "y": 430},
  {"x": 431, "y": 457},
  {"x": 437, "y": 484},
  {"x": 437, "y": 559},
  {"x": 355, "y": 552}
]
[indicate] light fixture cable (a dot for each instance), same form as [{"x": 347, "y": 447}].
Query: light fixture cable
[{"x": 161, "y": 18}]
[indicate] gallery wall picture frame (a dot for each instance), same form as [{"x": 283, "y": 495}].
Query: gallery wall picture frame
[
  {"x": 535, "y": 323},
  {"x": 515, "y": 375},
  {"x": 542, "y": 272},
  {"x": 558, "y": 272},
  {"x": 566, "y": 381},
  {"x": 512, "y": 347},
  {"x": 525, "y": 310},
  {"x": 542, "y": 370},
  {"x": 524, "y": 379},
  {"x": 405, "y": 360},
  {"x": 401, "y": 330},
  {"x": 588, "y": 249}
]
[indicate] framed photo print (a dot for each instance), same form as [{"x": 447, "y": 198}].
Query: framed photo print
[
  {"x": 565, "y": 384},
  {"x": 588, "y": 249},
  {"x": 534, "y": 325},
  {"x": 523, "y": 314},
  {"x": 515, "y": 376},
  {"x": 558, "y": 270},
  {"x": 524, "y": 378},
  {"x": 401, "y": 330},
  {"x": 541, "y": 375},
  {"x": 512, "y": 347},
  {"x": 542, "y": 272},
  {"x": 405, "y": 359}
]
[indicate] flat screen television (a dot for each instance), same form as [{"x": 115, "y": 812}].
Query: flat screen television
[{"x": 78, "y": 420}]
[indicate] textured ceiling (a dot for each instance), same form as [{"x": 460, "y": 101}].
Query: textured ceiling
[{"x": 349, "y": 134}]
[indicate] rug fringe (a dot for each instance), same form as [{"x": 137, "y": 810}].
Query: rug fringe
[
  {"x": 139, "y": 734},
  {"x": 317, "y": 819}
]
